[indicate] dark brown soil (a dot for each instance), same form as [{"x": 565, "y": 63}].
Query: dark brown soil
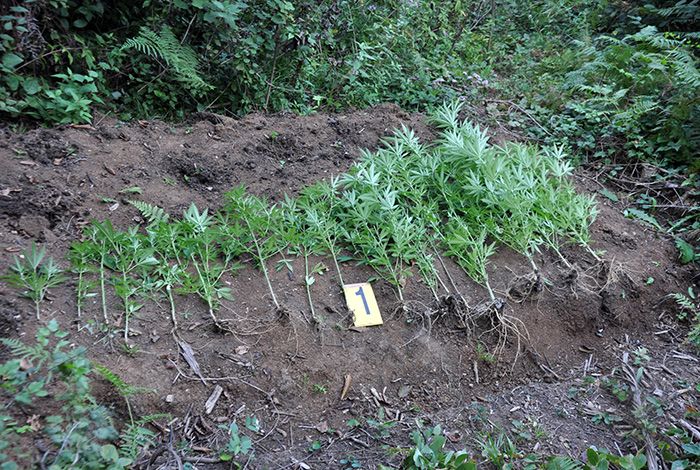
[{"x": 423, "y": 363}]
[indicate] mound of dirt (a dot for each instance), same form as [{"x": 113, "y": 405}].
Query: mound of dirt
[{"x": 353, "y": 391}]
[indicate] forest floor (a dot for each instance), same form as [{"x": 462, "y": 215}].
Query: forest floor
[{"x": 548, "y": 386}]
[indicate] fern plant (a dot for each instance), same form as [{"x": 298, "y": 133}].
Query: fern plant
[
  {"x": 688, "y": 306},
  {"x": 153, "y": 214},
  {"x": 638, "y": 91},
  {"x": 176, "y": 55}
]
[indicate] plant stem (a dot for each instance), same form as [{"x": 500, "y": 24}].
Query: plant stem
[
  {"x": 102, "y": 284},
  {"x": 261, "y": 260},
  {"x": 306, "y": 282},
  {"x": 169, "y": 290}
]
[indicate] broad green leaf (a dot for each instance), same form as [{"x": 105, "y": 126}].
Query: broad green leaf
[
  {"x": 643, "y": 216},
  {"x": 11, "y": 60},
  {"x": 31, "y": 86},
  {"x": 609, "y": 195},
  {"x": 686, "y": 251},
  {"x": 109, "y": 452},
  {"x": 692, "y": 449},
  {"x": 639, "y": 461}
]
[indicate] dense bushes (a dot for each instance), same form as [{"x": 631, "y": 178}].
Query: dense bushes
[{"x": 609, "y": 78}]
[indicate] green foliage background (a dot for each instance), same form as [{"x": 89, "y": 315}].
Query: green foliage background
[{"x": 611, "y": 79}]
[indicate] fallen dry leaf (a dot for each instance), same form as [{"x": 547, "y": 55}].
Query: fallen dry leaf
[
  {"x": 6, "y": 192},
  {"x": 57, "y": 161},
  {"x": 358, "y": 329},
  {"x": 82, "y": 126},
  {"x": 12, "y": 249},
  {"x": 322, "y": 427},
  {"x": 213, "y": 136},
  {"x": 346, "y": 386},
  {"x": 109, "y": 170},
  {"x": 28, "y": 163},
  {"x": 242, "y": 350},
  {"x": 188, "y": 354},
  {"x": 33, "y": 422}
]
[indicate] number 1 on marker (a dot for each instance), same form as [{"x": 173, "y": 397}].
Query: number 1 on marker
[{"x": 361, "y": 293}]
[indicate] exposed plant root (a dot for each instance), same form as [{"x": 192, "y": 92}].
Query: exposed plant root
[
  {"x": 426, "y": 314},
  {"x": 523, "y": 288},
  {"x": 601, "y": 276},
  {"x": 241, "y": 326},
  {"x": 493, "y": 317}
]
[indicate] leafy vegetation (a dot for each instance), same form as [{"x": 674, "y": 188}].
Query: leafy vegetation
[
  {"x": 615, "y": 78},
  {"x": 82, "y": 432},
  {"x": 618, "y": 83}
]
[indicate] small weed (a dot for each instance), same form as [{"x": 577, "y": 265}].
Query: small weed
[
  {"x": 252, "y": 423},
  {"x": 133, "y": 190},
  {"x": 315, "y": 445},
  {"x": 483, "y": 354},
  {"x": 130, "y": 351},
  {"x": 321, "y": 388},
  {"x": 350, "y": 462},
  {"x": 236, "y": 445}
]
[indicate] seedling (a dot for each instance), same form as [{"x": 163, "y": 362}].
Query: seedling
[
  {"x": 318, "y": 204},
  {"x": 34, "y": 275},
  {"x": 237, "y": 444},
  {"x": 107, "y": 200}
]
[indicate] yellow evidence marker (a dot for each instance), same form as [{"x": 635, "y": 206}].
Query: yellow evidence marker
[{"x": 361, "y": 302}]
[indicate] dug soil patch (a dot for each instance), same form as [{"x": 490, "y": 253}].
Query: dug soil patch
[{"x": 322, "y": 390}]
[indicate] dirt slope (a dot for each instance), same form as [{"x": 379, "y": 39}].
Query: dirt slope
[{"x": 422, "y": 363}]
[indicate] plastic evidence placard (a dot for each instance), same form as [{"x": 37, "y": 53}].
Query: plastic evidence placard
[{"x": 361, "y": 302}]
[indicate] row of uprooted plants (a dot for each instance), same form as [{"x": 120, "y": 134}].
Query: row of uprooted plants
[{"x": 397, "y": 210}]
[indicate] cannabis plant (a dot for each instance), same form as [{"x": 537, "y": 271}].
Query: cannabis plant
[
  {"x": 35, "y": 276},
  {"x": 266, "y": 235},
  {"x": 199, "y": 244}
]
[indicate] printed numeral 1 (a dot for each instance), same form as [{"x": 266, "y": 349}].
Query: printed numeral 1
[{"x": 361, "y": 293}]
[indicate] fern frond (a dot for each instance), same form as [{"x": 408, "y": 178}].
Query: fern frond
[
  {"x": 152, "y": 213},
  {"x": 113, "y": 378},
  {"x": 136, "y": 439},
  {"x": 165, "y": 46},
  {"x": 23, "y": 351},
  {"x": 685, "y": 303},
  {"x": 562, "y": 463},
  {"x": 685, "y": 68}
]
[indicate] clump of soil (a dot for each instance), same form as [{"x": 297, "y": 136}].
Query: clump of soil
[{"x": 304, "y": 377}]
